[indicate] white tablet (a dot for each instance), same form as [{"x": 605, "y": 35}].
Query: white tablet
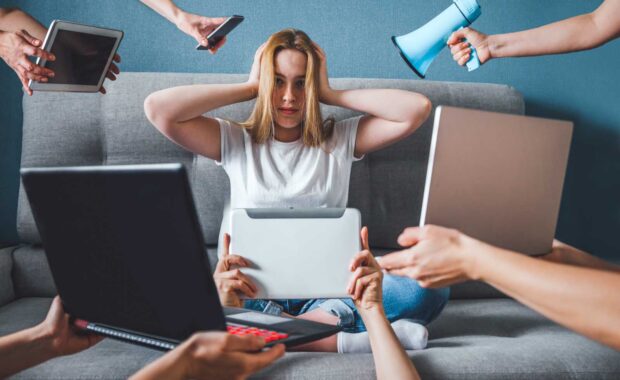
[
  {"x": 297, "y": 253},
  {"x": 83, "y": 56}
]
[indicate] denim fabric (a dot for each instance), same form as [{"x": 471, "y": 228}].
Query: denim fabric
[{"x": 402, "y": 298}]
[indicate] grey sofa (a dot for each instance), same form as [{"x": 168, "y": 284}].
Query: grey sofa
[{"x": 480, "y": 334}]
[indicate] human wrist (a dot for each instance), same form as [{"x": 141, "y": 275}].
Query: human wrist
[
  {"x": 177, "y": 16},
  {"x": 3, "y": 46},
  {"x": 495, "y": 45},
  {"x": 330, "y": 96},
  {"x": 173, "y": 366},
  {"x": 251, "y": 88},
  {"x": 371, "y": 313},
  {"x": 42, "y": 337},
  {"x": 471, "y": 251}
]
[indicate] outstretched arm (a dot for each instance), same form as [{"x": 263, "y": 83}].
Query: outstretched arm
[
  {"x": 582, "y": 299},
  {"x": 392, "y": 114},
  {"x": 52, "y": 337},
  {"x": 581, "y": 32},
  {"x": 198, "y": 27},
  {"x": 22, "y": 36},
  {"x": 391, "y": 360},
  {"x": 565, "y": 254},
  {"x": 16, "y": 20}
]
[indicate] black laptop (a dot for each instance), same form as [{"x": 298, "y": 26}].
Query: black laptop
[{"x": 126, "y": 251}]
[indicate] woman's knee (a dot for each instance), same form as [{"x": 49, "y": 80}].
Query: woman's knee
[{"x": 405, "y": 298}]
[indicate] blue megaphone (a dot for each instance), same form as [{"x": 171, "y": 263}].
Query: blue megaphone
[{"x": 420, "y": 47}]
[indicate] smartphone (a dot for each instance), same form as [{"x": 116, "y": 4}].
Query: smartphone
[{"x": 226, "y": 27}]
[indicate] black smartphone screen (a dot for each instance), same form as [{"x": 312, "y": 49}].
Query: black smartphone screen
[{"x": 222, "y": 31}]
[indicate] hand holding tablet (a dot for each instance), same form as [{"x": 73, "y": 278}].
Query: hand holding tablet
[
  {"x": 15, "y": 48},
  {"x": 84, "y": 57}
]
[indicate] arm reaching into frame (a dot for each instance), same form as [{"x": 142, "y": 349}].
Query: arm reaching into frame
[
  {"x": 577, "y": 33},
  {"x": 21, "y": 36},
  {"x": 51, "y": 338},
  {"x": 195, "y": 26},
  {"x": 438, "y": 257},
  {"x": 391, "y": 360}
]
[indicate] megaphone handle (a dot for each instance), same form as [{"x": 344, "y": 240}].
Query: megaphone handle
[{"x": 473, "y": 63}]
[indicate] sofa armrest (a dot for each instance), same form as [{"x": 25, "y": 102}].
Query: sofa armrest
[{"x": 7, "y": 292}]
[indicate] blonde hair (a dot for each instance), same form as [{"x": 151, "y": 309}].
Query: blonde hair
[{"x": 260, "y": 124}]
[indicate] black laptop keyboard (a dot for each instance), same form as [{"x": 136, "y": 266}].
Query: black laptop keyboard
[{"x": 268, "y": 335}]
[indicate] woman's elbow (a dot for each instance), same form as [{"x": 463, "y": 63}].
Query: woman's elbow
[
  {"x": 422, "y": 110},
  {"x": 425, "y": 108},
  {"x": 154, "y": 113}
]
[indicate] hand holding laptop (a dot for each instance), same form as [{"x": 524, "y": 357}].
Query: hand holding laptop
[
  {"x": 213, "y": 355},
  {"x": 63, "y": 337},
  {"x": 53, "y": 337}
]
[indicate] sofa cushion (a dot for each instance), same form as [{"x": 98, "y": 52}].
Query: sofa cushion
[
  {"x": 31, "y": 273},
  {"x": 86, "y": 129},
  {"x": 472, "y": 339},
  {"x": 6, "y": 268}
]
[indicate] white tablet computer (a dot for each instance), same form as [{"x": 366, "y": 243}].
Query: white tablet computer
[
  {"x": 83, "y": 56},
  {"x": 297, "y": 253}
]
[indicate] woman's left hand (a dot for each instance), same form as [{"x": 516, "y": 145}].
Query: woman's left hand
[
  {"x": 324, "y": 88},
  {"x": 365, "y": 284}
]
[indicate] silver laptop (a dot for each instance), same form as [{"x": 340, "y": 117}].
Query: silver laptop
[{"x": 497, "y": 177}]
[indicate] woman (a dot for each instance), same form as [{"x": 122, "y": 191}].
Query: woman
[{"x": 286, "y": 155}]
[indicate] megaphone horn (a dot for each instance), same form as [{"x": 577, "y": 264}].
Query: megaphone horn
[{"x": 420, "y": 47}]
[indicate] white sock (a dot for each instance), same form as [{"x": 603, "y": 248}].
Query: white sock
[{"x": 412, "y": 336}]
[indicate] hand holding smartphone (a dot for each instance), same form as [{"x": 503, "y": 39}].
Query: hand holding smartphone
[{"x": 216, "y": 36}]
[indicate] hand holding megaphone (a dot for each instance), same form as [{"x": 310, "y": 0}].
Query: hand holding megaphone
[
  {"x": 463, "y": 40},
  {"x": 420, "y": 47}
]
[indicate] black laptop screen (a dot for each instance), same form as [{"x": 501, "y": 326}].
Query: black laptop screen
[{"x": 125, "y": 249}]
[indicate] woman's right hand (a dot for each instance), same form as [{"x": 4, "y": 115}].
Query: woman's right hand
[
  {"x": 462, "y": 41},
  {"x": 231, "y": 281},
  {"x": 365, "y": 286},
  {"x": 255, "y": 71}
]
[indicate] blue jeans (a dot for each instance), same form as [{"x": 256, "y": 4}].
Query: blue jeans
[{"x": 402, "y": 298}]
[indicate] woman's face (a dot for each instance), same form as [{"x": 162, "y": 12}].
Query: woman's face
[{"x": 289, "y": 94}]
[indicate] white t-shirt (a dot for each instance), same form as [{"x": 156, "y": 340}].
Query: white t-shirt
[{"x": 281, "y": 174}]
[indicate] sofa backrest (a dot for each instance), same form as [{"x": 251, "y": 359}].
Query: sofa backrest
[{"x": 62, "y": 129}]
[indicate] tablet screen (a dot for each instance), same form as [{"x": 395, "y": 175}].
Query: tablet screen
[{"x": 80, "y": 57}]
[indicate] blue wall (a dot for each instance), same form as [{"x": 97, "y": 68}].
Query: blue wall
[{"x": 582, "y": 87}]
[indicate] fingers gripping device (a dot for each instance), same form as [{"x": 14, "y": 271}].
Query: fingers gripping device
[{"x": 420, "y": 47}]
